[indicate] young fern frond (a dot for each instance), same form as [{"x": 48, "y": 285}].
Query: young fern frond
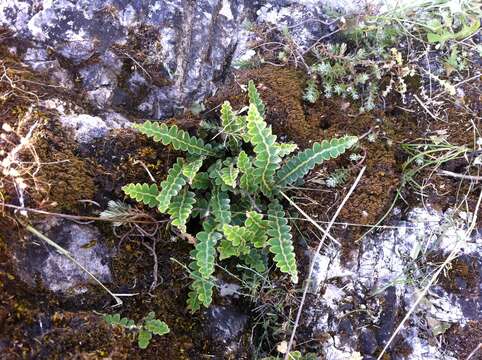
[
  {"x": 178, "y": 138},
  {"x": 145, "y": 193},
  {"x": 206, "y": 252},
  {"x": 280, "y": 241},
  {"x": 299, "y": 165},
  {"x": 232, "y": 124},
  {"x": 255, "y": 99},
  {"x": 247, "y": 181},
  {"x": 171, "y": 186},
  {"x": 237, "y": 235},
  {"x": 267, "y": 153},
  {"x": 257, "y": 227},
  {"x": 220, "y": 206},
  {"x": 180, "y": 209}
]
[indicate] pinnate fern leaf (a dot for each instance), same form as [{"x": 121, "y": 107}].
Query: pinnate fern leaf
[
  {"x": 255, "y": 99},
  {"x": 286, "y": 149},
  {"x": 267, "y": 152},
  {"x": 280, "y": 241},
  {"x": 201, "y": 288},
  {"x": 180, "y": 208},
  {"x": 171, "y": 186},
  {"x": 220, "y": 206},
  {"x": 206, "y": 252},
  {"x": 178, "y": 138},
  {"x": 144, "y": 193},
  {"x": 247, "y": 181},
  {"x": 299, "y": 165}
]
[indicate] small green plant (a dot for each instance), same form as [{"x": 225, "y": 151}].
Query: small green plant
[
  {"x": 337, "y": 178},
  {"x": 295, "y": 355},
  {"x": 148, "y": 327},
  {"x": 230, "y": 184}
]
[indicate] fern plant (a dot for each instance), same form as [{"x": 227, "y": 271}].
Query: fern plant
[
  {"x": 232, "y": 186},
  {"x": 145, "y": 329}
]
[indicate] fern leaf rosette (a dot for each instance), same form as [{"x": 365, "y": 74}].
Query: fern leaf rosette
[{"x": 230, "y": 177}]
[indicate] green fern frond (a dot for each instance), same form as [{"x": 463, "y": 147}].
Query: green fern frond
[
  {"x": 193, "y": 302},
  {"x": 299, "y": 165},
  {"x": 229, "y": 175},
  {"x": 191, "y": 168},
  {"x": 286, "y": 149},
  {"x": 171, "y": 186},
  {"x": 237, "y": 235},
  {"x": 232, "y": 124},
  {"x": 257, "y": 227},
  {"x": 227, "y": 249},
  {"x": 280, "y": 241},
  {"x": 267, "y": 153},
  {"x": 145, "y": 193},
  {"x": 178, "y": 138},
  {"x": 206, "y": 252},
  {"x": 255, "y": 260},
  {"x": 220, "y": 206},
  {"x": 180, "y": 208},
  {"x": 201, "y": 181},
  {"x": 247, "y": 180},
  {"x": 255, "y": 99},
  {"x": 201, "y": 289}
]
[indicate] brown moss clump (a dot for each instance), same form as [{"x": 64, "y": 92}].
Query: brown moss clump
[{"x": 59, "y": 177}]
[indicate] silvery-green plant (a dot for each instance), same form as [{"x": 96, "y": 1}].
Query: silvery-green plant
[{"x": 230, "y": 183}]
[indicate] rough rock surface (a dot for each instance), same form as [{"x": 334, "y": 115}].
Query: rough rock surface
[
  {"x": 392, "y": 268},
  {"x": 225, "y": 326},
  {"x": 192, "y": 42},
  {"x": 40, "y": 261},
  {"x": 150, "y": 58}
]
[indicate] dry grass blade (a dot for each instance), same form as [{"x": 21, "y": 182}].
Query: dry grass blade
[{"x": 325, "y": 235}]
